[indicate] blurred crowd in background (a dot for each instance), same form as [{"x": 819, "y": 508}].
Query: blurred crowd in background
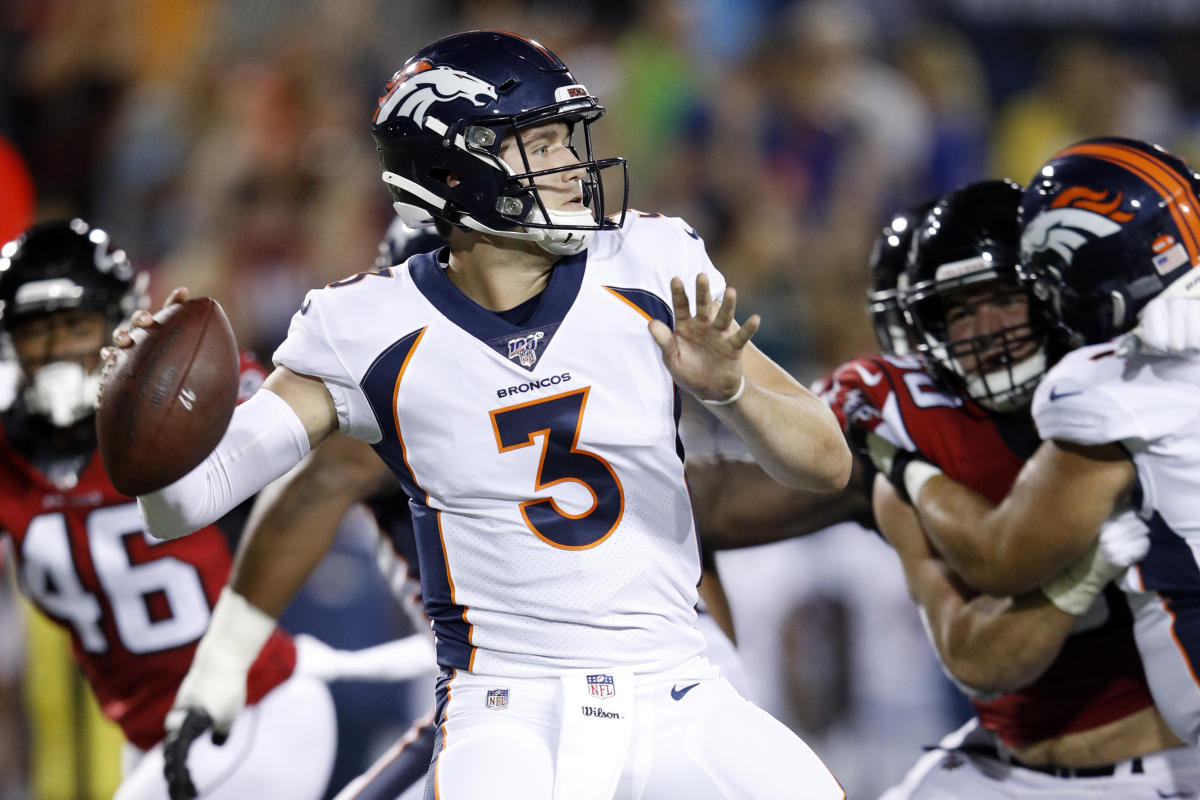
[{"x": 226, "y": 145}]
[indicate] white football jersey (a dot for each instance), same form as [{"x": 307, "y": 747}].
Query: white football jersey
[
  {"x": 542, "y": 460},
  {"x": 1151, "y": 406}
]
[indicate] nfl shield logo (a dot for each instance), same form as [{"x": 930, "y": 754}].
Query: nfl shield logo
[
  {"x": 524, "y": 348},
  {"x": 601, "y": 685},
  {"x": 497, "y": 699}
]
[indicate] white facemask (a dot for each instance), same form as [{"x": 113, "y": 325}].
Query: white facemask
[
  {"x": 1007, "y": 390},
  {"x": 62, "y": 392}
]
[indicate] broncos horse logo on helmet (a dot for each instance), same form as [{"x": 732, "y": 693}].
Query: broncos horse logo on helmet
[
  {"x": 447, "y": 113},
  {"x": 413, "y": 90},
  {"x": 1106, "y": 225},
  {"x": 1078, "y": 215}
]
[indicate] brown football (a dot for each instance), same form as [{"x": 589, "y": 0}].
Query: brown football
[{"x": 166, "y": 401}]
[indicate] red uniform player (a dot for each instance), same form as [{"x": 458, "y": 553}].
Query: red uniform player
[{"x": 135, "y": 606}]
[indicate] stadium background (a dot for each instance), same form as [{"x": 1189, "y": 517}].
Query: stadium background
[{"x": 225, "y": 144}]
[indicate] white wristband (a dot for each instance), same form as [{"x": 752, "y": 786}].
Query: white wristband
[
  {"x": 216, "y": 681},
  {"x": 1077, "y": 585},
  {"x": 916, "y": 474},
  {"x": 729, "y": 400}
]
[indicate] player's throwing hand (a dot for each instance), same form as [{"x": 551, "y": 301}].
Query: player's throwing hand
[{"x": 704, "y": 352}]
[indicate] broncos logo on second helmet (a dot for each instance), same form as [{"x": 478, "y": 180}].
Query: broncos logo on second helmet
[
  {"x": 412, "y": 90},
  {"x": 1077, "y": 216},
  {"x": 1106, "y": 225}
]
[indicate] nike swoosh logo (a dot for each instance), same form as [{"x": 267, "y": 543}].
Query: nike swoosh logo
[
  {"x": 1056, "y": 395},
  {"x": 677, "y": 693},
  {"x": 307, "y": 304},
  {"x": 868, "y": 377}
]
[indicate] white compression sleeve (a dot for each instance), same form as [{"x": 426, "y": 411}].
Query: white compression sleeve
[{"x": 264, "y": 440}]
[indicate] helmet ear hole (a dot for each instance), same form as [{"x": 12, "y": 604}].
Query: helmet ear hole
[{"x": 446, "y": 176}]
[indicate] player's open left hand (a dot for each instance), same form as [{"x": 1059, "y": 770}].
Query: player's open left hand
[{"x": 704, "y": 352}]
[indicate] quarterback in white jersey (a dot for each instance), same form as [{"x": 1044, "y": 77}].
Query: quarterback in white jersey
[
  {"x": 480, "y": 417},
  {"x": 522, "y": 383},
  {"x": 1110, "y": 230}
]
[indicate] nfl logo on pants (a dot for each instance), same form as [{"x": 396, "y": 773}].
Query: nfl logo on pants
[
  {"x": 601, "y": 685},
  {"x": 497, "y": 699}
]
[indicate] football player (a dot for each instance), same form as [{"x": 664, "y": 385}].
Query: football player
[
  {"x": 1108, "y": 226},
  {"x": 522, "y": 385},
  {"x": 736, "y": 505},
  {"x": 135, "y": 607},
  {"x": 1063, "y": 707}
]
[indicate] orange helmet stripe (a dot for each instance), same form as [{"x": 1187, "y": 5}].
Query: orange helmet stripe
[{"x": 1181, "y": 200}]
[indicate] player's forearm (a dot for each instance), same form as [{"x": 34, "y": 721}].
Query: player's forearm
[
  {"x": 295, "y": 520},
  {"x": 746, "y": 507},
  {"x": 792, "y": 435},
  {"x": 969, "y": 534},
  {"x": 997, "y": 644},
  {"x": 290, "y": 529},
  {"x": 264, "y": 440}
]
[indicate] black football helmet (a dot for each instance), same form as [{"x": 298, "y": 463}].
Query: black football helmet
[
  {"x": 965, "y": 252},
  {"x": 886, "y": 264},
  {"x": 1106, "y": 225},
  {"x": 449, "y": 110},
  {"x": 56, "y": 266}
]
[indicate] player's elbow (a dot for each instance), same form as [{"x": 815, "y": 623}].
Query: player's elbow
[
  {"x": 161, "y": 519},
  {"x": 984, "y": 674},
  {"x": 829, "y": 470},
  {"x": 991, "y": 676}
]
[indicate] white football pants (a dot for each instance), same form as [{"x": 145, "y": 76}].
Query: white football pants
[{"x": 682, "y": 733}]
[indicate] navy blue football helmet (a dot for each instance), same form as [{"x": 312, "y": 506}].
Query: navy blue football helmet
[
  {"x": 964, "y": 254},
  {"x": 448, "y": 111},
  {"x": 403, "y": 241},
  {"x": 1106, "y": 225},
  {"x": 885, "y": 266}
]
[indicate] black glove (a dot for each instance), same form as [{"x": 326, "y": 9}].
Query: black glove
[
  {"x": 892, "y": 461},
  {"x": 175, "y": 752}
]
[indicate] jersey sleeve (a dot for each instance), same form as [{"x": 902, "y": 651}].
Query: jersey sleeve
[
  {"x": 1088, "y": 398},
  {"x": 696, "y": 261},
  {"x": 309, "y": 350},
  {"x": 1093, "y": 396}
]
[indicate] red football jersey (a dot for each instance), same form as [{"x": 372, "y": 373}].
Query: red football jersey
[
  {"x": 135, "y": 606},
  {"x": 1097, "y": 677}
]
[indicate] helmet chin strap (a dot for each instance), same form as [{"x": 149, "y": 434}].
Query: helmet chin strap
[{"x": 62, "y": 392}]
